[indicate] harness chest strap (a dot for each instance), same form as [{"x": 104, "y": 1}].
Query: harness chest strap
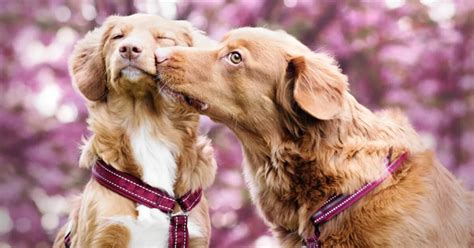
[
  {"x": 141, "y": 193},
  {"x": 337, "y": 204}
]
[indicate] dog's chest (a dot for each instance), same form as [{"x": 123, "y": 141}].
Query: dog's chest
[
  {"x": 274, "y": 208},
  {"x": 157, "y": 158},
  {"x": 151, "y": 228}
]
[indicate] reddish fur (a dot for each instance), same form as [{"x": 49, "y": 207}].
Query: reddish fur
[
  {"x": 116, "y": 108},
  {"x": 305, "y": 138}
]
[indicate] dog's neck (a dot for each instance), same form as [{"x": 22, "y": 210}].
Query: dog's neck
[
  {"x": 355, "y": 130},
  {"x": 322, "y": 162},
  {"x": 143, "y": 137}
]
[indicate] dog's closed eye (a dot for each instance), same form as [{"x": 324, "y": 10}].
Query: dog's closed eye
[
  {"x": 117, "y": 36},
  {"x": 166, "y": 41}
]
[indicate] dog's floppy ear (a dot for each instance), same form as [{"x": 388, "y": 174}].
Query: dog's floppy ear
[
  {"x": 319, "y": 85},
  {"x": 87, "y": 64}
]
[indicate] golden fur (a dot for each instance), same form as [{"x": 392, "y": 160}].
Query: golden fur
[
  {"x": 118, "y": 104},
  {"x": 306, "y": 138}
]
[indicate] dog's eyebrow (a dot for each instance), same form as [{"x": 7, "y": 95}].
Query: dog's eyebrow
[
  {"x": 238, "y": 44},
  {"x": 123, "y": 27},
  {"x": 160, "y": 32}
]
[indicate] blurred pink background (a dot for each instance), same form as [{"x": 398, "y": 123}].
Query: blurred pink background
[{"x": 416, "y": 55}]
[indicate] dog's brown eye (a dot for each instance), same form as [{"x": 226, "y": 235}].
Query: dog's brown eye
[
  {"x": 235, "y": 58},
  {"x": 117, "y": 36}
]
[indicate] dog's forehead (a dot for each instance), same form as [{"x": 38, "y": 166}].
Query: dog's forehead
[
  {"x": 143, "y": 19},
  {"x": 256, "y": 33},
  {"x": 148, "y": 22},
  {"x": 259, "y": 38},
  {"x": 249, "y": 42}
]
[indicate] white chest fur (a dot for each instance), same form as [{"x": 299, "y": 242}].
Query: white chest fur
[{"x": 156, "y": 156}]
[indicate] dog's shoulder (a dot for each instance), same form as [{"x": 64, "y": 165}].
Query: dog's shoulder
[{"x": 394, "y": 115}]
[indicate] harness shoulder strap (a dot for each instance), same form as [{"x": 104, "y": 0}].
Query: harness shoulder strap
[
  {"x": 139, "y": 192},
  {"x": 337, "y": 204}
]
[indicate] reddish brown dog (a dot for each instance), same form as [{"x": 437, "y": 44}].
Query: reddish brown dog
[
  {"x": 306, "y": 138},
  {"x": 138, "y": 131}
]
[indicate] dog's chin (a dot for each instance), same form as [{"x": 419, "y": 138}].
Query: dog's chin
[
  {"x": 133, "y": 74},
  {"x": 183, "y": 98}
]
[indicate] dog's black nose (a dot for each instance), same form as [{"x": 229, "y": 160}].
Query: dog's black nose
[{"x": 130, "y": 51}]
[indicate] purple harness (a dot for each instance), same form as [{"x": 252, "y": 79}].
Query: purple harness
[
  {"x": 338, "y": 203},
  {"x": 139, "y": 192}
]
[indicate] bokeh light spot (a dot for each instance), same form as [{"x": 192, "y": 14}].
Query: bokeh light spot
[
  {"x": 266, "y": 241},
  {"x": 6, "y": 224},
  {"x": 440, "y": 11},
  {"x": 62, "y": 13},
  {"x": 290, "y": 3},
  {"x": 88, "y": 11},
  {"x": 4, "y": 245},
  {"x": 49, "y": 221},
  {"x": 67, "y": 113},
  {"x": 46, "y": 102},
  {"x": 393, "y": 4}
]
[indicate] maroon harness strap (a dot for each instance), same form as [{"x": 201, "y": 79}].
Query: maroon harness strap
[
  {"x": 132, "y": 188},
  {"x": 141, "y": 193},
  {"x": 337, "y": 204},
  {"x": 179, "y": 235},
  {"x": 178, "y": 231}
]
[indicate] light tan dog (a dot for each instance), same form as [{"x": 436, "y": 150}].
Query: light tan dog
[
  {"x": 306, "y": 138},
  {"x": 137, "y": 131}
]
